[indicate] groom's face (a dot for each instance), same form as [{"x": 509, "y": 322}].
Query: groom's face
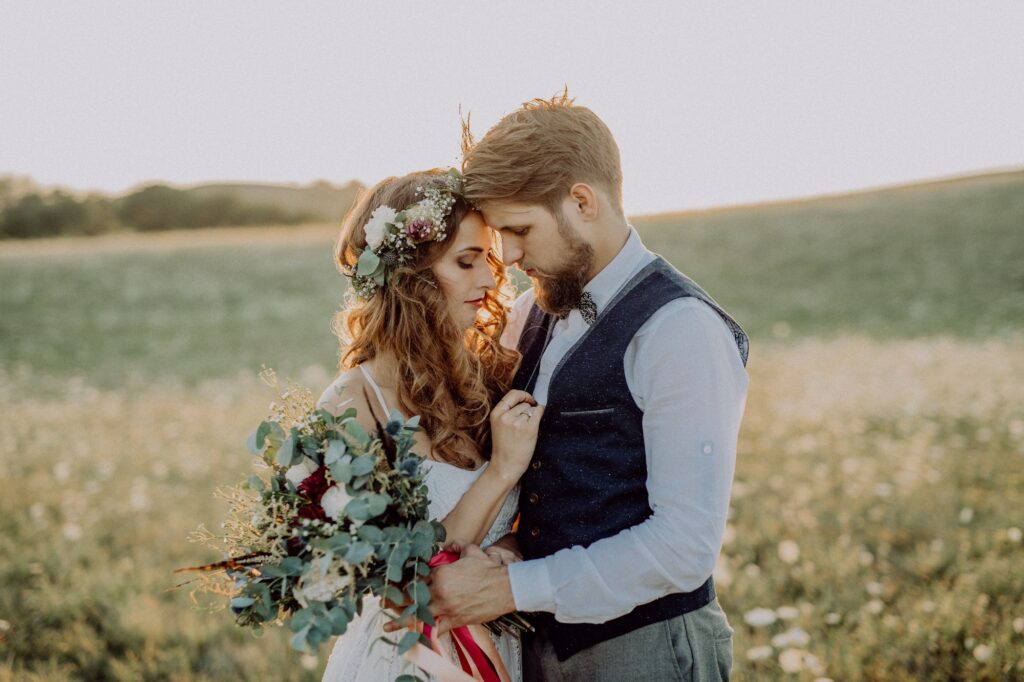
[{"x": 546, "y": 246}]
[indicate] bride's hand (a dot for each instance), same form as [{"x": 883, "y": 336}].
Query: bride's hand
[
  {"x": 514, "y": 423},
  {"x": 502, "y": 555}
]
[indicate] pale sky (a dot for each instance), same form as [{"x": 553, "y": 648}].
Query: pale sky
[{"x": 711, "y": 103}]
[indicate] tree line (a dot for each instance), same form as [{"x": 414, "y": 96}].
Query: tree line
[{"x": 41, "y": 213}]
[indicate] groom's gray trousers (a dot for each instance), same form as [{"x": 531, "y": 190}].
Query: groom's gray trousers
[{"x": 694, "y": 646}]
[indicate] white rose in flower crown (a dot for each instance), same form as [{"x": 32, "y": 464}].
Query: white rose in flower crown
[
  {"x": 334, "y": 501},
  {"x": 298, "y": 473},
  {"x": 377, "y": 225}
]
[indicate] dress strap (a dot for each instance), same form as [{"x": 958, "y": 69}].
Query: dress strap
[{"x": 376, "y": 389}]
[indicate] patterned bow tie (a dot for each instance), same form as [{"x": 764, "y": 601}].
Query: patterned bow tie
[{"x": 587, "y": 308}]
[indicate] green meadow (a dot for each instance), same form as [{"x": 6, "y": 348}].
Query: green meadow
[{"x": 875, "y": 530}]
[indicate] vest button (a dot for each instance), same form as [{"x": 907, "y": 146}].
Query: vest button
[
  {"x": 535, "y": 465},
  {"x": 533, "y": 498},
  {"x": 535, "y": 531}
]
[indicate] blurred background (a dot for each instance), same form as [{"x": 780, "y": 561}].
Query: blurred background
[{"x": 847, "y": 180}]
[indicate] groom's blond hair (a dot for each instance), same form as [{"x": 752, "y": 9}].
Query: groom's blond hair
[{"x": 536, "y": 153}]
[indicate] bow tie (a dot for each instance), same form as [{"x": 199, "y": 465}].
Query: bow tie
[{"x": 587, "y": 308}]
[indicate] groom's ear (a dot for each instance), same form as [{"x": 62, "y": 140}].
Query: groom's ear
[{"x": 585, "y": 201}]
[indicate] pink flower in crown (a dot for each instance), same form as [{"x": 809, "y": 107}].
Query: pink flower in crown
[{"x": 420, "y": 229}]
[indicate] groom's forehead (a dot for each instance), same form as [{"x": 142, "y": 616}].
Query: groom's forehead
[{"x": 501, "y": 215}]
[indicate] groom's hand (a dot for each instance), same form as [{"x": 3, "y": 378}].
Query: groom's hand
[{"x": 474, "y": 589}]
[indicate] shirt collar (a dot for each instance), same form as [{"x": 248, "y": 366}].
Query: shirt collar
[{"x": 607, "y": 283}]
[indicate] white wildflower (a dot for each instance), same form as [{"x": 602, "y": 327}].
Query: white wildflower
[
  {"x": 966, "y": 515},
  {"x": 759, "y": 653},
  {"x": 1013, "y": 534},
  {"x": 787, "y": 612},
  {"x": 792, "y": 660},
  {"x": 759, "y": 617},
  {"x": 789, "y": 551},
  {"x": 983, "y": 652},
  {"x": 71, "y": 532},
  {"x": 791, "y": 637},
  {"x": 875, "y": 606},
  {"x": 61, "y": 471}
]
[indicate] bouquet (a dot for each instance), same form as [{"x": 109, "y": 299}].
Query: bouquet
[{"x": 334, "y": 514}]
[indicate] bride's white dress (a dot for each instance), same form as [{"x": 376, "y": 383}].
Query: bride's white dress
[{"x": 358, "y": 655}]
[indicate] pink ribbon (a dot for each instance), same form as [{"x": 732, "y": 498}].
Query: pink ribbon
[{"x": 481, "y": 665}]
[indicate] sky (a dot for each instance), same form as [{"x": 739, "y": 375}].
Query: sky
[{"x": 711, "y": 103}]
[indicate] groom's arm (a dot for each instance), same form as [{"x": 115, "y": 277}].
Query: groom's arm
[{"x": 686, "y": 374}]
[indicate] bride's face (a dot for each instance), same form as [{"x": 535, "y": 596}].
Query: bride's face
[{"x": 463, "y": 272}]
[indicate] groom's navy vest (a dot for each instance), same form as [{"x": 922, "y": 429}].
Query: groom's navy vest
[{"x": 588, "y": 477}]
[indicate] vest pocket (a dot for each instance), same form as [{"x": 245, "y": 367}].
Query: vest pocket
[{"x": 586, "y": 413}]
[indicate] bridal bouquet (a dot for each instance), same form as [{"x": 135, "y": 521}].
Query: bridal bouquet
[{"x": 333, "y": 514}]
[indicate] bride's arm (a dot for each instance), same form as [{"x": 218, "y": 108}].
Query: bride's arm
[
  {"x": 514, "y": 435},
  {"x": 475, "y": 513}
]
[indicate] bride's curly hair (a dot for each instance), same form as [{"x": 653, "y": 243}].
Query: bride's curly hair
[{"x": 449, "y": 376}]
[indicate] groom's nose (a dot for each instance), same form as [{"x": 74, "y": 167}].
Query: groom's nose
[{"x": 511, "y": 252}]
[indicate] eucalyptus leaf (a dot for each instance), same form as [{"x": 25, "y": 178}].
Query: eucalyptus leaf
[
  {"x": 378, "y": 503},
  {"x": 363, "y": 465},
  {"x": 396, "y": 561},
  {"x": 302, "y": 619},
  {"x": 258, "y": 438},
  {"x": 371, "y": 534},
  {"x": 358, "y": 552},
  {"x": 339, "y": 618},
  {"x": 420, "y": 592},
  {"x": 335, "y": 450},
  {"x": 393, "y": 594},
  {"x": 292, "y": 565},
  {"x": 424, "y": 614},
  {"x": 341, "y": 470},
  {"x": 298, "y": 642},
  {"x": 356, "y": 430},
  {"x": 286, "y": 455},
  {"x": 409, "y": 640},
  {"x": 368, "y": 263}
]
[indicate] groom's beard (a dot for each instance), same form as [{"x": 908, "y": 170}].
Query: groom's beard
[{"x": 559, "y": 292}]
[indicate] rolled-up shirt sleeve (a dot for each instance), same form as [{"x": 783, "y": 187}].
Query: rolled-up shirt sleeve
[{"x": 685, "y": 373}]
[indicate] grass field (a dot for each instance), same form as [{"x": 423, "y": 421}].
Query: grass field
[{"x": 875, "y": 530}]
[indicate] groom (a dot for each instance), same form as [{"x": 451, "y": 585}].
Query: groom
[{"x": 624, "y": 506}]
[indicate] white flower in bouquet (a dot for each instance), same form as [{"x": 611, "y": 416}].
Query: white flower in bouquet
[
  {"x": 320, "y": 583},
  {"x": 377, "y": 226},
  {"x": 300, "y": 472},
  {"x": 334, "y": 501}
]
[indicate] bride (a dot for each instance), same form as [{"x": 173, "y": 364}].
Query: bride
[{"x": 420, "y": 335}]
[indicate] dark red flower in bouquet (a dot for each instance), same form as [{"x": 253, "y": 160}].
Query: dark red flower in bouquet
[{"x": 314, "y": 486}]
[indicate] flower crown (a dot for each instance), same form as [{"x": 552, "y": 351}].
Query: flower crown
[{"x": 392, "y": 236}]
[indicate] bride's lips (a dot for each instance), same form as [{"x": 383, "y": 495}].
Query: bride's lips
[{"x": 476, "y": 303}]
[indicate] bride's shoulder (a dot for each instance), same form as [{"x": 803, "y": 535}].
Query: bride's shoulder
[{"x": 344, "y": 392}]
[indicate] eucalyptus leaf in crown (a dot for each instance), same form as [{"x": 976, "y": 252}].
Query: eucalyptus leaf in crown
[{"x": 392, "y": 235}]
